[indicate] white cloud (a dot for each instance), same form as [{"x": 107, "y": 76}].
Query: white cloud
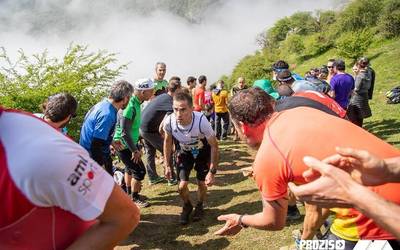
[{"x": 212, "y": 47}]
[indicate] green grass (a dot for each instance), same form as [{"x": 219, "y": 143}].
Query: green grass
[
  {"x": 232, "y": 193},
  {"x": 385, "y": 60}
]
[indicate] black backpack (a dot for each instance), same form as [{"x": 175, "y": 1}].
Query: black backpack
[{"x": 393, "y": 95}]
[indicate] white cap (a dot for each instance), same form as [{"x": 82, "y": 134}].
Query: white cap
[{"x": 144, "y": 84}]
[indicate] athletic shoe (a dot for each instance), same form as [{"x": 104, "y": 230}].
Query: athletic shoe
[
  {"x": 296, "y": 234},
  {"x": 198, "y": 212},
  {"x": 143, "y": 197},
  {"x": 186, "y": 210},
  {"x": 172, "y": 182},
  {"x": 156, "y": 180},
  {"x": 293, "y": 213},
  {"x": 141, "y": 202}
]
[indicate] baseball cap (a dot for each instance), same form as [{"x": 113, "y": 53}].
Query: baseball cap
[
  {"x": 143, "y": 84},
  {"x": 266, "y": 85}
]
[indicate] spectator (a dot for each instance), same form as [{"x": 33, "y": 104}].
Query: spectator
[
  {"x": 364, "y": 62},
  {"x": 209, "y": 111},
  {"x": 331, "y": 69},
  {"x": 285, "y": 77},
  {"x": 54, "y": 196},
  {"x": 220, "y": 100},
  {"x": 159, "y": 81},
  {"x": 279, "y": 160},
  {"x": 191, "y": 82},
  {"x": 152, "y": 117},
  {"x": 359, "y": 108},
  {"x": 199, "y": 98},
  {"x": 342, "y": 84},
  {"x": 266, "y": 85},
  {"x": 127, "y": 132},
  {"x": 241, "y": 85},
  {"x": 99, "y": 124},
  {"x": 282, "y": 65},
  {"x": 58, "y": 110}
]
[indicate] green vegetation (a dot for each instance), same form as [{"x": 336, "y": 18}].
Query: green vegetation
[
  {"x": 27, "y": 83},
  {"x": 307, "y": 40}
]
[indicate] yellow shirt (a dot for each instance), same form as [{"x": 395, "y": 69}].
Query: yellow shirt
[{"x": 220, "y": 101}]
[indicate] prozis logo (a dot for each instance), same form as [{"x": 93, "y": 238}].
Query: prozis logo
[{"x": 84, "y": 173}]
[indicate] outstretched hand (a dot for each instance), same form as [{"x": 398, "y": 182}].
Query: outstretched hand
[
  {"x": 364, "y": 167},
  {"x": 231, "y": 226}
]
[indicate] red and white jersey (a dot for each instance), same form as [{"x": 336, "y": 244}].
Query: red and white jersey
[{"x": 51, "y": 191}]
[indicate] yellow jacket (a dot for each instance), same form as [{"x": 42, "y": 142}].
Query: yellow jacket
[{"x": 220, "y": 99}]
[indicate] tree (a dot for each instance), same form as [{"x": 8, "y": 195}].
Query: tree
[
  {"x": 360, "y": 14},
  {"x": 277, "y": 33},
  {"x": 303, "y": 23},
  {"x": 26, "y": 83},
  {"x": 353, "y": 45},
  {"x": 389, "y": 23},
  {"x": 294, "y": 44},
  {"x": 252, "y": 67}
]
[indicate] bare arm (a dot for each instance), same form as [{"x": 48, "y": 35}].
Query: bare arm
[
  {"x": 386, "y": 214},
  {"x": 201, "y": 102},
  {"x": 272, "y": 218},
  {"x": 214, "y": 159},
  {"x": 119, "y": 218},
  {"x": 168, "y": 154},
  {"x": 214, "y": 151},
  {"x": 313, "y": 220}
]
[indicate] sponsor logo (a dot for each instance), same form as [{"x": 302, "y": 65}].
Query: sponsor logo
[
  {"x": 322, "y": 244},
  {"x": 83, "y": 175}
]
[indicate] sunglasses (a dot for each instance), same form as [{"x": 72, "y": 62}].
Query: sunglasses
[{"x": 329, "y": 67}]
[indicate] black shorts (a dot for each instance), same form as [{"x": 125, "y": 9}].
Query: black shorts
[
  {"x": 137, "y": 170},
  {"x": 185, "y": 163}
]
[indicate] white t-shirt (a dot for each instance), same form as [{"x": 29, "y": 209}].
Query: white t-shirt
[
  {"x": 52, "y": 170},
  {"x": 189, "y": 136}
]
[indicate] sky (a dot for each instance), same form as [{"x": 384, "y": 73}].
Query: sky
[{"x": 226, "y": 33}]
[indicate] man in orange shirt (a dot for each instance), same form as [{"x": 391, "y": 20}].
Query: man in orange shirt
[
  {"x": 199, "y": 92},
  {"x": 284, "y": 138}
]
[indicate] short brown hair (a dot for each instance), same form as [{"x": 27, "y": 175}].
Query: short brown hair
[
  {"x": 251, "y": 106},
  {"x": 60, "y": 106},
  {"x": 174, "y": 84},
  {"x": 183, "y": 96}
]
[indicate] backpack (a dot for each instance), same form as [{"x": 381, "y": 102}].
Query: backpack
[{"x": 393, "y": 95}]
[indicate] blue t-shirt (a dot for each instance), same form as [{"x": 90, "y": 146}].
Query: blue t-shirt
[
  {"x": 99, "y": 123},
  {"x": 343, "y": 85}
]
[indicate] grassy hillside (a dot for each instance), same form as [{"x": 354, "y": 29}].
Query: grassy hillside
[{"x": 385, "y": 121}]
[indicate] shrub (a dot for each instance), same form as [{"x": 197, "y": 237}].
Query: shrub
[
  {"x": 26, "y": 83},
  {"x": 389, "y": 23},
  {"x": 352, "y": 45}
]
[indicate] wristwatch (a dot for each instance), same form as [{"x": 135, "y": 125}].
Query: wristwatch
[
  {"x": 241, "y": 222},
  {"x": 213, "y": 170}
]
